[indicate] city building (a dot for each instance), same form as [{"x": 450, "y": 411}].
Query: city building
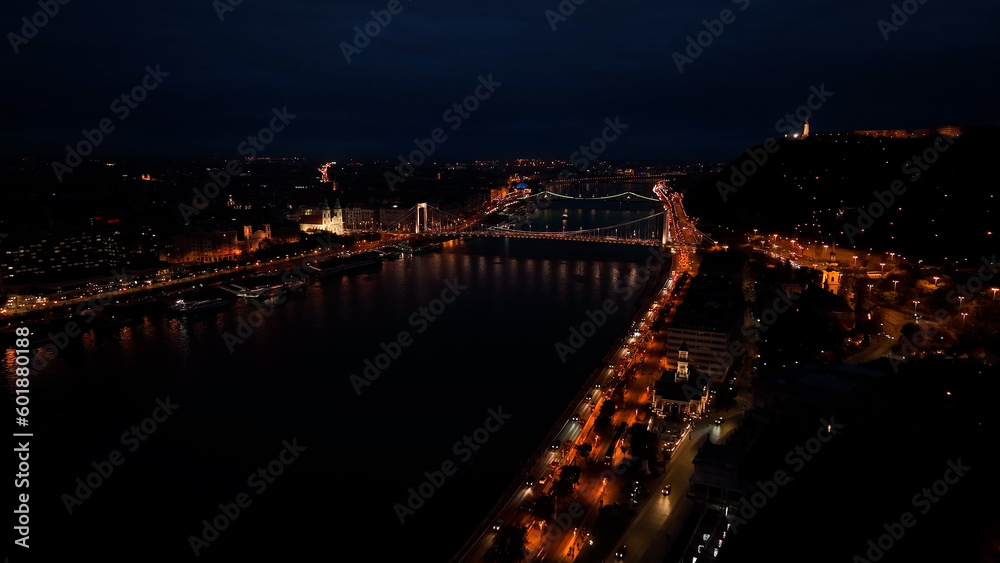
[
  {"x": 499, "y": 193},
  {"x": 831, "y": 275},
  {"x": 203, "y": 246},
  {"x": 253, "y": 238},
  {"x": 801, "y": 395},
  {"x": 391, "y": 218},
  {"x": 360, "y": 218},
  {"x": 724, "y": 473},
  {"x": 681, "y": 392},
  {"x": 323, "y": 219},
  {"x": 708, "y": 322},
  {"x": 950, "y": 130},
  {"x": 62, "y": 252}
]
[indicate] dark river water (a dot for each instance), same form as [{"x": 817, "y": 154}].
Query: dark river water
[{"x": 273, "y": 424}]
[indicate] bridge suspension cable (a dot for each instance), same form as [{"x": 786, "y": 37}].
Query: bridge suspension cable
[
  {"x": 650, "y": 219},
  {"x": 563, "y": 196}
]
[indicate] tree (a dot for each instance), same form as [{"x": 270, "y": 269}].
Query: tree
[
  {"x": 604, "y": 416},
  {"x": 562, "y": 488},
  {"x": 618, "y": 393},
  {"x": 545, "y": 506},
  {"x": 641, "y": 443},
  {"x": 509, "y": 545},
  {"x": 909, "y": 330},
  {"x": 584, "y": 450},
  {"x": 570, "y": 473}
]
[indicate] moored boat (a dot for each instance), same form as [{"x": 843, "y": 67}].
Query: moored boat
[
  {"x": 345, "y": 263},
  {"x": 432, "y": 247},
  {"x": 195, "y": 306}
]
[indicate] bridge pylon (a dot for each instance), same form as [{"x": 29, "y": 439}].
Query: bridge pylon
[{"x": 419, "y": 207}]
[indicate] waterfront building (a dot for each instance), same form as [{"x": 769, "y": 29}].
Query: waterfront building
[
  {"x": 708, "y": 322},
  {"x": 323, "y": 219}
]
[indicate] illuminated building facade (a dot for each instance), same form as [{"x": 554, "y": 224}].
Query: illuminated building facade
[
  {"x": 62, "y": 253},
  {"x": 324, "y": 219}
]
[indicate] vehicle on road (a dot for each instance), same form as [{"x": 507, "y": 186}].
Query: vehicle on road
[
  {"x": 555, "y": 445},
  {"x": 530, "y": 481},
  {"x": 720, "y": 420},
  {"x": 665, "y": 490},
  {"x": 619, "y": 435},
  {"x": 497, "y": 524},
  {"x": 620, "y": 554}
]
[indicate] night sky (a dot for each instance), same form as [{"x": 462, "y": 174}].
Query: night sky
[{"x": 606, "y": 59}]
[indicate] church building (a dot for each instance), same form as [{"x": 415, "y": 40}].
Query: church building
[{"x": 324, "y": 219}]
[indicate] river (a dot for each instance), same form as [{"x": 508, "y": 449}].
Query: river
[{"x": 337, "y": 453}]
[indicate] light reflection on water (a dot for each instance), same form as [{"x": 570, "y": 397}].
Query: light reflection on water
[{"x": 493, "y": 346}]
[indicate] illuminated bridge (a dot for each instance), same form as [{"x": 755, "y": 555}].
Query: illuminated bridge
[
  {"x": 618, "y": 178},
  {"x": 670, "y": 227}
]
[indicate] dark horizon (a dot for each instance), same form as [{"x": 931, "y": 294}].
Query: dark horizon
[{"x": 552, "y": 88}]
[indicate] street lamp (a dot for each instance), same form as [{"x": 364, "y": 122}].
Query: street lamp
[
  {"x": 994, "y": 289},
  {"x": 935, "y": 281},
  {"x": 963, "y": 318},
  {"x": 961, "y": 301},
  {"x": 855, "y": 260},
  {"x": 894, "y": 282},
  {"x": 882, "y": 266},
  {"x": 915, "y": 302}
]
